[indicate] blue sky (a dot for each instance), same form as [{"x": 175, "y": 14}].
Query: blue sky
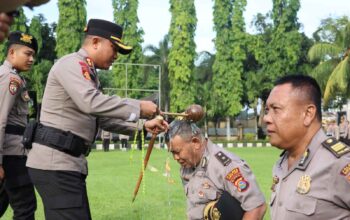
[{"x": 154, "y": 16}]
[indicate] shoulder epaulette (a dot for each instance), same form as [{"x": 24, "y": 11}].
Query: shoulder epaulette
[
  {"x": 336, "y": 147},
  {"x": 225, "y": 160}
]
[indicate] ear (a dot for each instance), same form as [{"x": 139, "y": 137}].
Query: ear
[
  {"x": 310, "y": 114},
  {"x": 95, "y": 42},
  {"x": 196, "y": 143}
]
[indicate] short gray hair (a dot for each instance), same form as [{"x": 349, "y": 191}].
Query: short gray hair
[{"x": 185, "y": 129}]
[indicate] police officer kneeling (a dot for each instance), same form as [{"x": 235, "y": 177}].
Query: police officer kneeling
[
  {"x": 218, "y": 184},
  {"x": 72, "y": 107},
  {"x": 14, "y": 100}
]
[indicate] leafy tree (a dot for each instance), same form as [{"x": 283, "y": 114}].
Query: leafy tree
[
  {"x": 125, "y": 14},
  {"x": 182, "y": 53},
  {"x": 71, "y": 23},
  {"x": 228, "y": 67},
  {"x": 331, "y": 54},
  {"x": 159, "y": 55}
]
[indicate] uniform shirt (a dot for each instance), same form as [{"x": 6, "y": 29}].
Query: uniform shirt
[
  {"x": 72, "y": 102},
  {"x": 317, "y": 187},
  {"x": 212, "y": 176},
  {"x": 14, "y": 100}
]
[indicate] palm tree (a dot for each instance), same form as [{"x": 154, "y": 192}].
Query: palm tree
[
  {"x": 159, "y": 55},
  {"x": 332, "y": 56}
]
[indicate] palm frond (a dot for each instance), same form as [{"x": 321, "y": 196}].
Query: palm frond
[
  {"x": 338, "y": 81},
  {"x": 320, "y": 51},
  {"x": 323, "y": 71}
]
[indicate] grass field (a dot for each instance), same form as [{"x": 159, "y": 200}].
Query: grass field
[{"x": 113, "y": 175}]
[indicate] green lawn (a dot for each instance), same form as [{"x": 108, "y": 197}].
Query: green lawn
[{"x": 113, "y": 175}]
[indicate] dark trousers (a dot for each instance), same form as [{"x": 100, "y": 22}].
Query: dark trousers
[
  {"x": 105, "y": 144},
  {"x": 63, "y": 194},
  {"x": 19, "y": 188}
]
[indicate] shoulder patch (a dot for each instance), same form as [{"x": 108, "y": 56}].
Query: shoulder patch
[
  {"x": 337, "y": 148},
  {"x": 346, "y": 170},
  {"x": 236, "y": 178},
  {"x": 85, "y": 70},
  {"x": 14, "y": 85},
  {"x": 225, "y": 160}
]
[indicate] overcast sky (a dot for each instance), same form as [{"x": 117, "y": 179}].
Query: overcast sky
[{"x": 154, "y": 16}]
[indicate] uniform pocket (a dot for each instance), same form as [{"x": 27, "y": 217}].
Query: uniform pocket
[{"x": 302, "y": 204}]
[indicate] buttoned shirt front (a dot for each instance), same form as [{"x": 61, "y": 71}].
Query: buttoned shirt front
[
  {"x": 317, "y": 187},
  {"x": 212, "y": 176}
]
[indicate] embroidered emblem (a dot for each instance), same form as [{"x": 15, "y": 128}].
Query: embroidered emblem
[
  {"x": 236, "y": 177},
  {"x": 225, "y": 160},
  {"x": 85, "y": 70},
  {"x": 26, "y": 38},
  {"x": 89, "y": 62},
  {"x": 25, "y": 96},
  {"x": 14, "y": 85},
  {"x": 201, "y": 194},
  {"x": 304, "y": 184},
  {"x": 275, "y": 181},
  {"x": 346, "y": 170},
  {"x": 206, "y": 185}
]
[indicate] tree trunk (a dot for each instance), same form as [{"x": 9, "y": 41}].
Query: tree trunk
[{"x": 228, "y": 128}]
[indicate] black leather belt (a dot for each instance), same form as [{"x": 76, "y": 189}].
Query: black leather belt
[
  {"x": 64, "y": 141},
  {"x": 14, "y": 129}
]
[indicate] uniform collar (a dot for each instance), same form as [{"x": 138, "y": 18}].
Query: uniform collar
[
  {"x": 309, "y": 153},
  {"x": 9, "y": 65},
  {"x": 83, "y": 53}
]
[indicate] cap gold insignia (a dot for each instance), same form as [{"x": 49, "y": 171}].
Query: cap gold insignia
[
  {"x": 26, "y": 38},
  {"x": 216, "y": 214},
  {"x": 304, "y": 184}
]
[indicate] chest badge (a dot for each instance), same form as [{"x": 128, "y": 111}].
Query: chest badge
[
  {"x": 275, "y": 181},
  {"x": 25, "y": 96},
  {"x": 304, "y": 184}
]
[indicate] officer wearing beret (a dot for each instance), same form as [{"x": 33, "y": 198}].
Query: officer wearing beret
[
  {"x": 8, "y": 10},
  {"x": 311, "y": 180},
  {"x": 72, "y": 109},
  {"x": 14, "y": 100},
  {"x": 217, "y": 183}
]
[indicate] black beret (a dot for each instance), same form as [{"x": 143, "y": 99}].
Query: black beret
[
  {"x": 18, "y": 37},
  {"x": 108, "y": 30}
]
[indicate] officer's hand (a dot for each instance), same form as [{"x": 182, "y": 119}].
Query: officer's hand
[
  {"x": 156, "y": 125},
  {"x": 5, "y": 23},
  {"x": 2, "y": 173},
  {"x": 148, "y": 109}
]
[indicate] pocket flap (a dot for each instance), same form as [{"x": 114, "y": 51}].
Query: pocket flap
[{"x": 302, "y": 204}]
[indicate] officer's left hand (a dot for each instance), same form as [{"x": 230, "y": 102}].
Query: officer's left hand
[
  {"x": 2, "y": 173},
  {"x": 156, "y": 125}
]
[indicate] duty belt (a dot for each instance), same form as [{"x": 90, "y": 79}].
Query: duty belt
[
  {"x": 64, "y": 141},
  {"x": 14, "y": 129}
]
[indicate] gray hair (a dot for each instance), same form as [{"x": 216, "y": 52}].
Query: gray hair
[{"x": 185, "y": 129}]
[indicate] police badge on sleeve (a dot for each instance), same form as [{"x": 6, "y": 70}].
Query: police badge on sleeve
[{"x": 14, "y": 85}]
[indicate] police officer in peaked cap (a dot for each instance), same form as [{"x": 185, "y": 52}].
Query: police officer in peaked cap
[
  {"x": 14, "y": 100},
  {"x": 73, "y": 108}
]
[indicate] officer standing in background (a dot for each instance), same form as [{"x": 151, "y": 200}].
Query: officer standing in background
[
  {"x": 217, "y": 183},
  {"x": 106, "y": 137},
  {"x": 14, "y": 112},
  {"x": 311, "y": 180},
  {"x": 71, "y": 105}
]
